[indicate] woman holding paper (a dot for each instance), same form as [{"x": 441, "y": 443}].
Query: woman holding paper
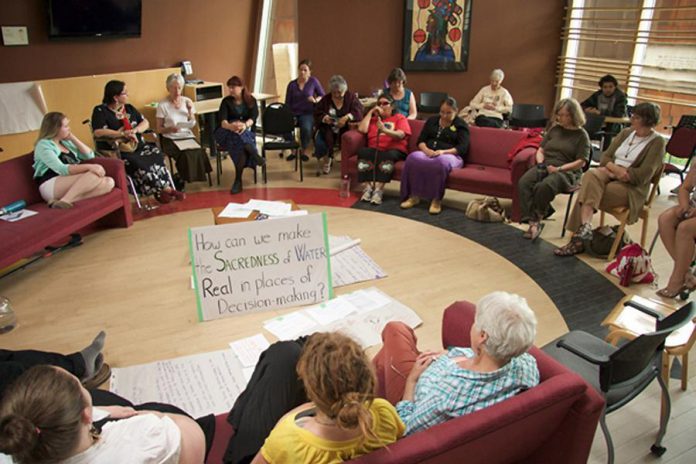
[
  {"x": 47, "y": 416},
  {"x": 175, "y": 119},
  {"x": 342, "y": 421}
]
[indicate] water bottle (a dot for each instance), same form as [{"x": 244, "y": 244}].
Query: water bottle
[
  {"x": 8, "y": 320},
  {"x": 13, "y": 207},
  {"x": 344, "y": 191},
  {"x": 542, "y": 172}
]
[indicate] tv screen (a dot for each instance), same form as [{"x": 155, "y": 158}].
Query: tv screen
[{"x": 94, "y": 18}]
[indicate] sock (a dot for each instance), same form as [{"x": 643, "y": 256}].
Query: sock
[{"x": 92, "y": 355}]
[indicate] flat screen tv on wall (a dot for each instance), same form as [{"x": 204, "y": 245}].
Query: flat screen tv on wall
[{"x": 94, "y": 18}]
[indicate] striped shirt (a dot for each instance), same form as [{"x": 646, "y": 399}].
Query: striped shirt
[{"x": 445, "y": 390}]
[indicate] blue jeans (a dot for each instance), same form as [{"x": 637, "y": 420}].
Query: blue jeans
[{"x": 306, "y": 124}]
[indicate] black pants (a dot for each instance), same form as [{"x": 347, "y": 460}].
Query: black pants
[
  {"x": 14, "y": 363},
  {"x": 485, "y": 121},
  {"x": 274, "y": 389},
  {"x": 106, "y": 398},
  {"x": 377, "y": 166}
]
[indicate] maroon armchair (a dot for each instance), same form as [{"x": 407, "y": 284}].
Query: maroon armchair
[
  {"x": 486, "y": 171},
  {"x": 552, "y": 422},
  {"x": 23, "y": 238}
]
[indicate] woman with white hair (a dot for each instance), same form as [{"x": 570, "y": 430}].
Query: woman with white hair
[
  {"x": 492, "y": 101},
  {"x": 175, "y": 119},
  {"x": 562, "y": 153},
  {"x": 429, "y": 388},
  {"x": 331, "y": 117}
]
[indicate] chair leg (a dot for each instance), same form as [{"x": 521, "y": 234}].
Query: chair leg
[
  {"x": 263, "y": 168},
  {"x": 131, "y": 185},
  {"x": 657, "y": 449},
  {"x": 653, "y": 242},
  {"x": 601, "y": 219},
  {"x": 644, "y": 231},
  {"x": 607, "y": 438},
  {"x": 684, "y": 370},
  {"x": 567, "y": 213},
  {"x": 617, "y": 240},
  {"x": 301, "y": 166}
]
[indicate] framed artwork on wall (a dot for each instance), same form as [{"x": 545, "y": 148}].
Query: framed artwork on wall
[{"x": 436, "y": 35}]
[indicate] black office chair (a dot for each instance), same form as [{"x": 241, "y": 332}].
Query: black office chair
[
  {"x": 429, "y": 102},
  {"x": 527, "y": 115},
  {"x": 593, "y": 126},
  {"x": 622, "y": 373},
  {"x": 277, "y": 121}
]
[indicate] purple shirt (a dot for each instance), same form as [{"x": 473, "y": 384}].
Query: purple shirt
[{"x": 297, "y": 99}]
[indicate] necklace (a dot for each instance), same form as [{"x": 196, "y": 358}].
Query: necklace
[{"x": 633, "y": 144}]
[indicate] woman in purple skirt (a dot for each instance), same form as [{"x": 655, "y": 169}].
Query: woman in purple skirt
[{"x": 442, "y": 146}]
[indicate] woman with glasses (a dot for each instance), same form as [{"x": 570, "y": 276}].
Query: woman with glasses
[
  {"x": 117, "y": 123},
  {"x": 442, "y": 146},
  {"x": 387, "y": 142},
  {"x": 622, "y": 178}
]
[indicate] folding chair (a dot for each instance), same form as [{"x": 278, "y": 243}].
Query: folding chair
[
  {"x": 681, "y": 145},
  {"x": 527, "y": 115},
  {"x": 278, "y": 120},
  {"x": 621, "y": 373},
  {"x": 593, "y": 126},
  {"x": 429, "y": 102}
]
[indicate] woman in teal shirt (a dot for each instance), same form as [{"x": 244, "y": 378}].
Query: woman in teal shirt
[
  {"x": 57, "y": 154},
  {"x": 404, "y": 98}
]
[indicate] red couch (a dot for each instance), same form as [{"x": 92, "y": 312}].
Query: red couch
[
  {"x": 486, "y": 171},
  {"x": 23, "y": 238},
  {"x": 553, "y": 422}
]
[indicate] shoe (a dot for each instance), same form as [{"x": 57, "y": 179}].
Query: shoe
[
  {"x": 367, "y": 194},
  {"x": 585, "y": 231},
  {"x": 291, "y": 157},
  {"x": 536, "y": 231},
  {"x": 102, "y": 375},
  {"x": 164, "y": 197},
  {"x": 574, "y": 247},
  {"x": 236, "y": 187},
  {"x": 258, "y": 159},
  {"x": 181, "y": 196},
  {"x": 410, "y": 202},
  {"x": 377, "y": 197},
  {"x": 327, "y": 166},
  {"x": 304, "y": 158},
  {"x": 435, "y": 207},
  {"x": 60, "y": 204}
]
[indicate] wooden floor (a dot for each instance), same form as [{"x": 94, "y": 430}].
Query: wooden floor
[{"x": 135, "y": 284}]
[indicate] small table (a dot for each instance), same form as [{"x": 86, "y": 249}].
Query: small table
[
  {"x": 252, "y": 217},
  {"x": 617, "y": 120}
]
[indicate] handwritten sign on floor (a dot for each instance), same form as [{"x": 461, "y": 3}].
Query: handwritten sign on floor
[{"x": 259, "y": 265}]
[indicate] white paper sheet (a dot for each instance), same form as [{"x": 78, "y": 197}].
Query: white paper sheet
[
  {"x": 21, "y": 107},
  {"x": 291, "y": 326},
  {"x": 99, "y": 414},
  {"x": 207, "y": 383},
  {"x": 331, "y": 311},
  {"x": 640, "y": 323},
  {"x": 350, "y": 264},
  {"x": 365, "y": 300},
  {"x": 271, "y": 208},
  {"x": 186, "y": 124},
  {"x": 18, "y": 215},
  {"x": 186, "y": 144},
  {"x": 249, "y": 349},
  {"x": 299, "y": 212},
  {"x": 235, "y": 210}
]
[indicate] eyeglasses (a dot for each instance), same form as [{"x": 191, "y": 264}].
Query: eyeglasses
[{"x": 384, "y": 103}]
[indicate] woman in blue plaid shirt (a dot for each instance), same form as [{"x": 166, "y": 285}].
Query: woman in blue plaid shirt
[{"x": 432, "y": 387}]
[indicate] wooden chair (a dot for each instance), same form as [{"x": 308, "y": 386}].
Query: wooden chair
[{"x": 621, "y": 214}]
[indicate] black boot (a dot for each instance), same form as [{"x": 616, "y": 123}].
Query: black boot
[{"x": 236, "y": 186}]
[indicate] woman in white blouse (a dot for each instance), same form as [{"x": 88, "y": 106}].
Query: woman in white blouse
[
  {"x": 492, "y": 101},
  {"x": 175, "y": 119},
  {"x": 622, "y": 178},
  {"x": 46, "y": 416}
]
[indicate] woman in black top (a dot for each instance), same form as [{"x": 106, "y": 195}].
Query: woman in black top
[
  {"x": 442, "y": 146},
  {"x": 238, "y": 113},
  {"x": 120, "y": 122}
]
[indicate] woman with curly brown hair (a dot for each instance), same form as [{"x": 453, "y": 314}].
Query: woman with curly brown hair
[{"x": 343, "y": 419}]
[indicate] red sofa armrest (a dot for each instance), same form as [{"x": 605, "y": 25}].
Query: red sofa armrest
[
  {"x": 522, "y": 161},
  {"x": 351, "y": 142}
]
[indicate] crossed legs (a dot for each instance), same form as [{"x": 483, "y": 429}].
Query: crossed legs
[{"x": 81, "y": 186}]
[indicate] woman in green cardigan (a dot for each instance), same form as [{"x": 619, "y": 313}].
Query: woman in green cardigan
[{"x": 622, "y": 178}]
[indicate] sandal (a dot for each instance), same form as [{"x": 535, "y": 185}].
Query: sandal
[
  {"x": 327, "y": 166},
  {"x": 574, "y": 247},
  {"x": 537, "y": 231},
  {"x": 670, "y": 294}
]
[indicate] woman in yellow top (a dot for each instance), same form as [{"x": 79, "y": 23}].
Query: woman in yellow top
[{"x": 344, "y": 420}]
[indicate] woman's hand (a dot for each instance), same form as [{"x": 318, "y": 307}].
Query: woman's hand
[
  {"x": 342, "y": 121},
  {"x": 327, "y": 119},
  {"x": 97, "y": 169},
  {"x": 119, "y": 412},
  {"x": 430, "y": 153},
  {"x": 422, "y": 362},
  {"x": 552, "y": 169},
  {"x": 489, "y": 106}
]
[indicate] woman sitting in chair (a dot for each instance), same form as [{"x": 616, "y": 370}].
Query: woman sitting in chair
[
  {"x": 61, "y": 178},
  {"x": 344, "y": 420},
  {"x": 492, "y": 101},
  {"x": 118, "y": 126},
  {"x": 46, "y": 417},
  {"x": 387, "y": 142},
  {"x": 301, "y": 96},
  {"x": 429, "y": 387},
  {"x": 563, "y": 152},
  {"x": 623, "y": 178},
  {"x": 404, "y": 98},
  {"x": 442, "y": 146},
  {"x": 331, "y": 117},
  {"x": 175, "y": 119},
  {"x": 677, "y": 228},
  {"x": 237, "y": 132}
]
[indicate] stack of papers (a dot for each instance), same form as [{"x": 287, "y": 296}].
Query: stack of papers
[
  {"x": 18, "y": 215},
  {"x": 272, "y": 209},
  {"x": 349, "y": 262},
  {"x": 361, "y": 314}
]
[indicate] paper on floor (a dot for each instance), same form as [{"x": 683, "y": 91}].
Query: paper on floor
[{"x": 249, "y": 349}]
